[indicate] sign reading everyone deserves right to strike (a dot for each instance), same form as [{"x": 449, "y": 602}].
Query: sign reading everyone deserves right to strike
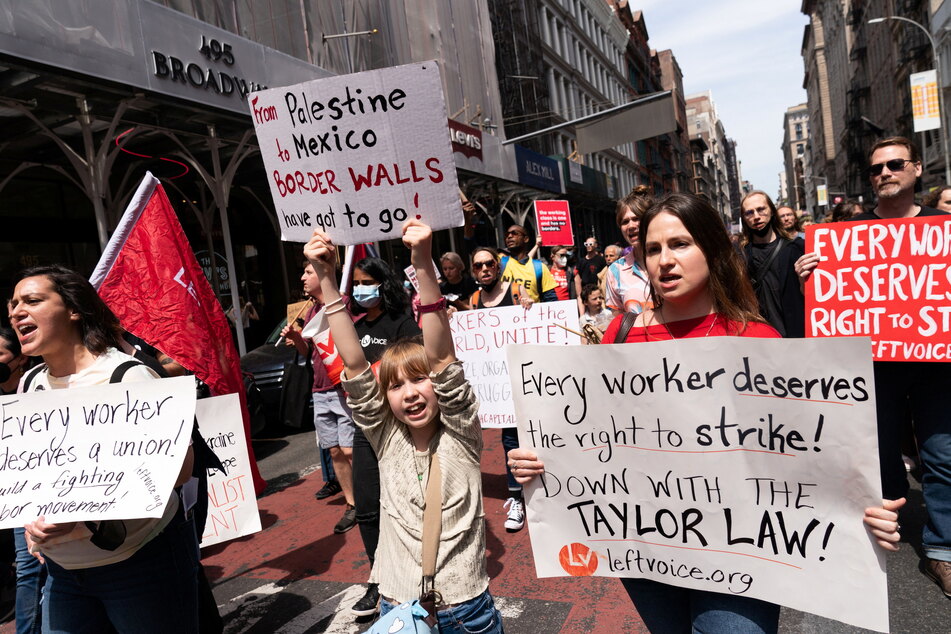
[
  {"x": 889, "y": 279},
  {"x": 358, "y": 155},
  {"x": 727, "y": 464}
]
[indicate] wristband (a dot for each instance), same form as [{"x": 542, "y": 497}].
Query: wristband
[
  {"x": 435, "y": 307},
  {"x": 335, "y": 310},
  {"x": 339, "y": 300}
]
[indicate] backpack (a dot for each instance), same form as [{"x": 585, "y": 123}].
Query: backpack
[
  {"x": 110, "y": 534},
  {"x": 539, "y": 269}
]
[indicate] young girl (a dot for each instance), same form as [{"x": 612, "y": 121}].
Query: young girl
[
  {"x": 421, "y": 405},
  {"x": 698, "y": 289}
]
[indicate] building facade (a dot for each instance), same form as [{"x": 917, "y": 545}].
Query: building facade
[{"x": 795, "y": 139}]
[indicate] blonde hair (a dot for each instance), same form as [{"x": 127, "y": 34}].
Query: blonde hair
[{"x": 407, "y": 355}]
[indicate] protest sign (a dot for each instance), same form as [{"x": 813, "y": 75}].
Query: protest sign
[
  {"x": 106, "y": 452},
  {"x": 727, "y": 464},
  {"x": 888, "y": 279},
  {"x": 232, "y": 505},
  {"x": 553, "y": 219},
  {"x": 480, "y": 337},
  {"x": 358, "y": 155}
]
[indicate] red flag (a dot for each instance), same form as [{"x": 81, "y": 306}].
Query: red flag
[{"x": 149, "y": 277}]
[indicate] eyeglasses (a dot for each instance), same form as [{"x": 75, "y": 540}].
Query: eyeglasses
[
  {"x": 893, "y": 165},
  {"x": 589, "y": 244},
  {"x": 515, "y": 233},
  {"x": 478, "y": 266}
]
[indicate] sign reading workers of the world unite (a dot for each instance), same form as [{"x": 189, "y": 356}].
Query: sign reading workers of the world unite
[
  {"x": 358, "y": 155},
  {"x": 726, "y": 464},
  {"x": 107, "y": 452}
]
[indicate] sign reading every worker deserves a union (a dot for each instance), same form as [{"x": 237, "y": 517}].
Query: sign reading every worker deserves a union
[
  {"x": 480, "y": 337},
  {"x": 95, "y": 453},
  {"x": 728, "y": 464},
  {"x": 358, "y": 155},
  {"x": 888, "y": 279}
]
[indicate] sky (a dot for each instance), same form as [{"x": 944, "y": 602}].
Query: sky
[{"x": 748, "y": 53}]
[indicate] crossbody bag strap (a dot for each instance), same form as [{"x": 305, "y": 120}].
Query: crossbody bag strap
[
  {"x": 626, "y": 324},
  {"x": 772, "y": 256}
]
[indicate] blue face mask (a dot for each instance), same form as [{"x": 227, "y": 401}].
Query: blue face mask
[{"x": 367, "y": 296}]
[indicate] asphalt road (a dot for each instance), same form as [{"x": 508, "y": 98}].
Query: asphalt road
[{"x": 296, "y": 576}]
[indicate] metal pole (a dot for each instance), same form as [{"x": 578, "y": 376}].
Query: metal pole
[{"x": 937, "y": 68}]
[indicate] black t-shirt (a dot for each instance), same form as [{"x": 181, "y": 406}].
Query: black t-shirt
[
  {"x": 376, "y": 335},
  {"x": 463, "y": 289},
  {"x": 505, "y": 301},
  {"x": 588, "y": 269},
  {"x": 925, "y": 211}
]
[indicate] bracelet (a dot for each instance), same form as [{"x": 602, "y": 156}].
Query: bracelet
[
  {"x": 339, "y": 300},
  {"x": 436, "y": 306},
  {"x": 335, "y": 310}
]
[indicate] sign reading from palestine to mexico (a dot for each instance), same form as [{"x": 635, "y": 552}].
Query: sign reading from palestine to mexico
[{"x": 358, "y": 155}]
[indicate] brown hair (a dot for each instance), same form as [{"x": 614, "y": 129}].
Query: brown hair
[
  {"x": 843, "y": 211},
  {"x": 896, "y": 140},
  {"x": 729, "y": 283},
  {"x": 931, "y": 200},
  {"x": 407, "y": 355},
  {"x": 490, "y": 250},
  {"x": 638, "y": 200},
  {"x": 774, "y": 221}
]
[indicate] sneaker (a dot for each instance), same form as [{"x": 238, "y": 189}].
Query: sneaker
[
  {"x": 369, "y": 604},
  {"x": 348, "y": 521},
  {"x": 940, "y": 573},
  {"x": 516, "y": 515},
  {"x": 330, "y": 488}
]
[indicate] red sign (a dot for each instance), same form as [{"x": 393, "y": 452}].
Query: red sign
[
  {"x": 889, "y": 280},
  {"x": 466, "y": 140},
  {"x": 554, "y": 222}
]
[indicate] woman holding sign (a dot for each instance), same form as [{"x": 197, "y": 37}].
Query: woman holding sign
[
  {"x": 421, "y": 417},
  {"x": 127, "y": 575},
  {"x": 698, "y": 288}
]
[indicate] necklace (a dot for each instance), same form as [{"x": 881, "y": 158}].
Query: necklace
[{"x": 715, "y": 317}]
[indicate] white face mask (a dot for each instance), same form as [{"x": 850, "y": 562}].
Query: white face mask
[{"x": 562, "y": 261}]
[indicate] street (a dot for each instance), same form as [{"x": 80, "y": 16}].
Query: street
[{"x": 296, "y": 576}]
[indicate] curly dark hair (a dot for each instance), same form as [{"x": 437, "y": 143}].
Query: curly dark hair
[
  {"x": 730, "y": 286},
  {"x": 394, "y": 300},
  {"x": 12, "y": 342},
  {"x": 98, "y": 325}
]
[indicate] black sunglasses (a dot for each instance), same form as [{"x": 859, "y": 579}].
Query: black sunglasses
[
  {"x": 893, "y": 165},
  {"x": 483, "y": 265}
]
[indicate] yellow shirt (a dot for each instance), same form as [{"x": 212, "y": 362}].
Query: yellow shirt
[{"x": 524, "y": 274}]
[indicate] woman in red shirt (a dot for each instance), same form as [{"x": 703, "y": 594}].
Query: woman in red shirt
[{"x": 699, "y": 288}]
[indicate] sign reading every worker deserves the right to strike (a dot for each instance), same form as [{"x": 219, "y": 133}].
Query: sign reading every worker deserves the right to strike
[
  {"x": 358, "y": 155},
  {"x": 728, "y": 464},
  {"x": 94, "y": 453},
  {"x": 888, "y": 279}
]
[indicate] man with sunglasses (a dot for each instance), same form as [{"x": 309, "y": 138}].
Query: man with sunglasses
[
  {"x": 518, "y": 266},
  {"x": 590, "y": 266},
  {"x": 924, "y": 388}
]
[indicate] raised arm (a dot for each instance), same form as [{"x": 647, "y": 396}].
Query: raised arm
[
  {"x": 322, "y": 255},
  {"x": 437, "y": 338}
]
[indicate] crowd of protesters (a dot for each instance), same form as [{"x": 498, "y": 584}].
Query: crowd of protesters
[{"x": 401, "y": 405}]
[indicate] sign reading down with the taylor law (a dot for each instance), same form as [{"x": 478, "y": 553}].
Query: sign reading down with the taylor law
[
  {"x": 358, "y": 155},
  {"x": 95, "y": 453},
  {"x": 728, "y": 464}
]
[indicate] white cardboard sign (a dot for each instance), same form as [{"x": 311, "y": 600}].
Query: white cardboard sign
[
  {"x": 357, "y": 155},
  {"x": 232, "y": 505},
  {"x": 480, "y": 337},
  {"x": 96, "y": 453},
  {"x": 726, "y": 464}
]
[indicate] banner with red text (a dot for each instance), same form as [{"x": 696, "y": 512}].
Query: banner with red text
[
  {"x": 889, "y": 280},
  {"x": 480, "y": 337},
  {"x": 726, "y": 464},
  {"x": 232, "y": 505},
  {"x": 357, "y": 155},
  {"x": 553, "y": 219}
]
